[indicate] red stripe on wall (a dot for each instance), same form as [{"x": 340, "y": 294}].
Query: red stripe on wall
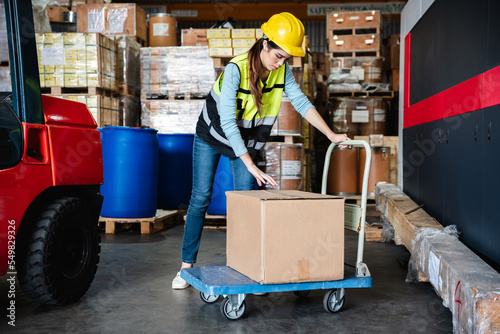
[{"x": 480, "y": 92}]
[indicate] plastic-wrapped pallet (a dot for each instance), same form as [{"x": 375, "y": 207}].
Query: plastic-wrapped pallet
[
  {"x": 469, "y": 287},
  {"x": 76, "y": 60},
  {"x": 384, "y": 191},
  {"x": 129, "y": 55},
  {"x": 5, "y": 79},
  {"x": 174, "y": 72},
  {"x": 4, "y": 51},
  {"x": 171, "y": 116},
  {"x": 131, "y": 110}
]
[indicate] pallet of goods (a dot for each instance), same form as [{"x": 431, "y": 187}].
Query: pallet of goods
[
  {"x": 354, "y": 33},
  {"x": 77, "y": 60},
  {"x": 105, "y": 109},
  {"x": 174, "y": 84},
  {"x": 114, "y": 19}
]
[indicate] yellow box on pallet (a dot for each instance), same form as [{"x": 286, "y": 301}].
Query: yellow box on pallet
[
  {"x": 219, "y": 43},
  {"x": 243, "y": 42},
  {"x": 243, "y": 33},
  {"x": 238, "y": 51},
  {"x": 218, "y": 33},
  {"x": 220, "y": 52}
]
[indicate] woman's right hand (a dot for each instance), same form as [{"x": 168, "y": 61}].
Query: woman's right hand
[{"x": 261, "y": 177}]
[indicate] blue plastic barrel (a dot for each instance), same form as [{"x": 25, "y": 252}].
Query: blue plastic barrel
[
  {"x": 130, "y": 158},
  {"x": 175, "y": 174},
  {"x": 223, "y": 182}
]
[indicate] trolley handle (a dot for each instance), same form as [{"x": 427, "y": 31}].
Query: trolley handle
[{"x": 361, "y": 268}]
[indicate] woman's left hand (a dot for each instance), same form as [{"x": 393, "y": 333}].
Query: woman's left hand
[{"x": 338, "y": 138}]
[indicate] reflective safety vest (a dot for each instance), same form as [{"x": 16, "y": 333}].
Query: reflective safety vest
[{"x": 255, "y": 129}]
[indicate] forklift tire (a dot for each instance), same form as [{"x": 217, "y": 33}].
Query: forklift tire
[{"x": 62, "y": 253}]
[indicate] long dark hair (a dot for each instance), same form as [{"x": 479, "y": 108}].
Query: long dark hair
[{"x": 256, "y": 67}]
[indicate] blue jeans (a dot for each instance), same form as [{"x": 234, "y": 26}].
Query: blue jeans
[{"x": 205, "y": 161}]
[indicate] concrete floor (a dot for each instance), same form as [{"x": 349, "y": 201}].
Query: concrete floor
[{"x": 132, "y": 294}]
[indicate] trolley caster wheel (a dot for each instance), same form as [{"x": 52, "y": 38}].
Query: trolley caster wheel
[
  {"x": 302, "y": 293},
  {"x": 333, "y": 300},
  {"x": 209, "y": 299},
  {"x": 226, "y": 308}
]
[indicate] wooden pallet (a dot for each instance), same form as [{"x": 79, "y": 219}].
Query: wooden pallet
[
  {"x": 77, "y": 90},
  {"x": 373, "y": 232},
  {"x": 354, "y": 31},
  {"x": 149, "y": 225},
  {"x": 382, "y": 94}
]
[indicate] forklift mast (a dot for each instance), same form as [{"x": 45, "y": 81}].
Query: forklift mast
[{"x": 25, "y": 78}]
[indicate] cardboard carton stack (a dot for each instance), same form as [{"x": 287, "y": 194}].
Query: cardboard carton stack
[
  {"x": 174, "y": 83},
  {"x": 83, "y": 65},
  {"x": 231, "y": 42},
  {"x": 126, "y": 19}
]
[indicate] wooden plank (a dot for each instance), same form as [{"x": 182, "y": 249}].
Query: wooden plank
[
  {"x": 405, "y": 225},
  {"x": 373, "y": 232}
]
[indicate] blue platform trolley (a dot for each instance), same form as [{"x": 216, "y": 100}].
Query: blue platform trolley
[{"x": 214, "y": 282}]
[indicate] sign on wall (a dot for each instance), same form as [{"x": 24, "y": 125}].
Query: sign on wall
[{"x": 383, "y": 7}]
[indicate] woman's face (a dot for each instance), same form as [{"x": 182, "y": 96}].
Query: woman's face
[{"x": 272, "y": 59}]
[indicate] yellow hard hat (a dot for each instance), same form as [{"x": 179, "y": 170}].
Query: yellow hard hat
[{"x": 286, "y": 31}]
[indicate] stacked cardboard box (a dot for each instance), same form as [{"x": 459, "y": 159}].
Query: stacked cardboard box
[
  {"x": 231, "y": 42},
  {"x": 105, "y": 109},
  {"x": 354, "y": 31},
  {"x": 76, "y": 60},
  {"x": 113, "y": 19},
  {"x": 194, "y": 37}
]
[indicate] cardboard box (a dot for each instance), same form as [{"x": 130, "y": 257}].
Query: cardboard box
[
  {"x": 285, "y": 236},
  {"x": 243, "y": 33},
  {"x": 220, "y": 52},
  {"x": 194, "y": 37},
  {"x": 361, "y": 19},
  {"x": 218, "y": 33},
  {"x": 113, "y": 19},
  {"x": 243, "y": 42},
  {"x": 343, "y": 43},
  {"x": 219, "y": 42}
]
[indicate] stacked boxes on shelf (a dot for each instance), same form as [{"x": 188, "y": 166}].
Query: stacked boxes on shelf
[
  {"x": 194, "y": 37},
  {"x": 114, "y": 19},
  {"x": 82, "y": 67},
  {"x": 76, "y": 60},
  {"x": 354, "y": 32},
  {"x": 129, "y": 82},
  {"x": 231, "y": 42},
  {"x": 105, "y": 109},
  {"x": 174, "y": 83},
  {"x": 356, "y": 70}
]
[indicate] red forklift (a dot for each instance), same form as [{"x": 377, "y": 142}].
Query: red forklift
[{"x": 51, "y": 168}]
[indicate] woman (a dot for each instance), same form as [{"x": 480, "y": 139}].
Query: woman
[{"x": 237, "y": 118}]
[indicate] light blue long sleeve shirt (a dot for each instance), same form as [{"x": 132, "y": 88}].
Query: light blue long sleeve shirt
[{"x": 227, "y": 111}]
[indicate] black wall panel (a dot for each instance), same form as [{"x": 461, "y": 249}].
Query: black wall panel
[
  {"x": 491, "y": 184},
  {"x": 448, "y": 46},
  {"x": 494, "y": 34}
]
